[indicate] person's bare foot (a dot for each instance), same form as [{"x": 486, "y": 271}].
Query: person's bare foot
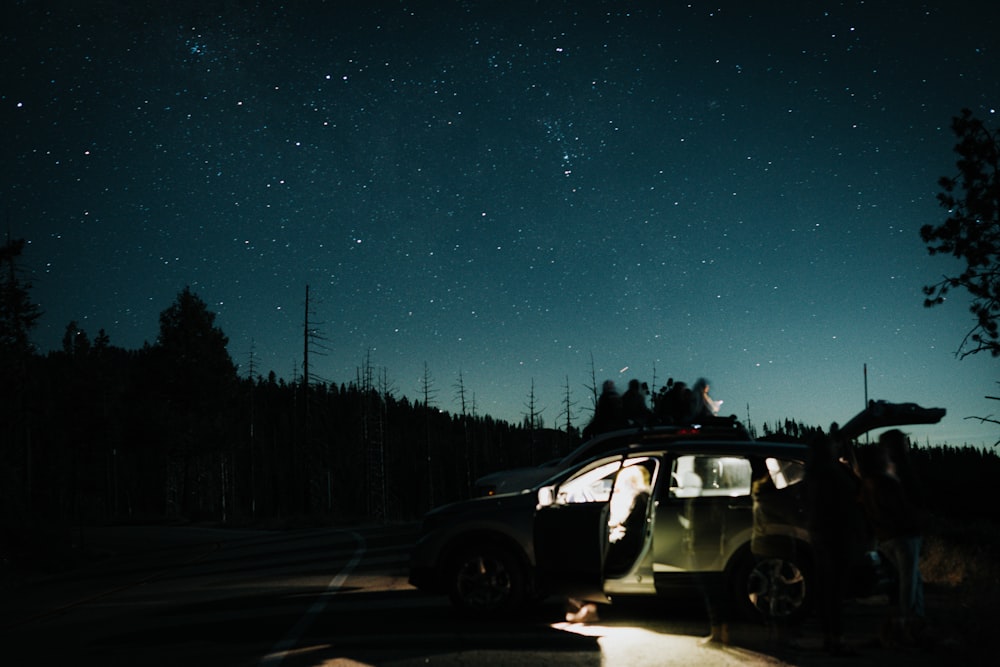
[
  {"x": 718, "y": 635},
  {"x": 587, "y": 613}
]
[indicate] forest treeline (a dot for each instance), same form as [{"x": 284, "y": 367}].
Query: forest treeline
[{"x": 96, "y": 433}]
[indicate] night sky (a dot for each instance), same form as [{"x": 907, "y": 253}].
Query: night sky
[{"x": 505, "y": 190}]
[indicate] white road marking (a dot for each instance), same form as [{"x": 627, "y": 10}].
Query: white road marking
[{"x": 285, "y": 646}]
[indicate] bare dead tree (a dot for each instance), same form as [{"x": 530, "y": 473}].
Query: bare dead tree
[
  {"x": 427, "y": 390},
  {"x": 468, "y": 448},
  {"x": 533, "y": 419},
  {"x": 593, "y": 383},
  {"x": 568, "y": 405},
  {"x": 990, "y": 419}
]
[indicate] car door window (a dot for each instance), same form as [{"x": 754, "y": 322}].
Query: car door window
[
  {"x": 592, "y": 485},
  {"x": 779, "y": 500},
  {"x": 705, "y": 475}
]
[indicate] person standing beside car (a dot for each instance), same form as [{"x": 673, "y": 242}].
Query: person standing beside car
[
  {"x": 896, "y": 520},
  {"x": 836, "y": 531}
]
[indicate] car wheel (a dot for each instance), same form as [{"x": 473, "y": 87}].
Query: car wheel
[
  {"x": 486, "y": 579},
  {"x": 776, "y": 589}
]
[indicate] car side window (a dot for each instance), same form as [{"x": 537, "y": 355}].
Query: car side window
[
  {"x": 591, "y": 485},
  {"x": 702, "y": 475},
  {"x": 784, "y": 473},
  {"x": 595, "y": 483}
]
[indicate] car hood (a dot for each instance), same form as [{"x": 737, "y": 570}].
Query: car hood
[
  {"x": 485, "y": 504},
  {"x": 516, "y": 480}
]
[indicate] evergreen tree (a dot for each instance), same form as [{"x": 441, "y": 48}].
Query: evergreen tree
[
  {"x": 195, "y": 347},
  {"x": 75, "y": 341},
  {"x": 18, "y": 314},
  {"x": 972, "y": 232},
  {"x": 198, "y": 379}
]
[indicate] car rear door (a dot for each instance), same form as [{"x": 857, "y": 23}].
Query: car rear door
[{"x": 703, "y": 515}]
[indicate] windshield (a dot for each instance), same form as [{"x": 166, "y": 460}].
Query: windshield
[{"x": 592, "y": 486}]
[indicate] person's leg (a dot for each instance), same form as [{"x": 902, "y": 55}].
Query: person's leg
[
  {"x": 716, "y": 592},
  {"x": 915, "y": 545},
  {"x": 900, "y": 553},
  {"x": 832, "y": 569},
  {"x": 893, "y": 552},
  {"x": 906, "y": 567},
  {"x": 826, "y": 593}
]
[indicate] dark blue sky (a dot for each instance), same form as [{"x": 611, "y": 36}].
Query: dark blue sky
[{"x": 502, "y": 189}]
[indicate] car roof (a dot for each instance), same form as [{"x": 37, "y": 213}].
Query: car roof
[{"x": 728, "y": 435}]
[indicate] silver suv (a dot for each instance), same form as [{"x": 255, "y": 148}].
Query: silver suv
[
  {"x": 519, "y": 479},
  {"x": 491, "y": 555}
]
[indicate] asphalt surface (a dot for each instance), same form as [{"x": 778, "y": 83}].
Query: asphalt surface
[{"x": 373, "y": 617}]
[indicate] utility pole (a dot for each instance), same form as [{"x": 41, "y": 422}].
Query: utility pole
[
  {"x": 867, "y": 434},
  {"x": 866, "y": 385},
  {"x": 305, "y": 346}
]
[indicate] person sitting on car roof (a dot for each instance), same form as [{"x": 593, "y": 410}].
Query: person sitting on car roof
[
  {"x": 634, "y": 407},
  {"x": 608, "y": 414},
  {"x": 703, "y": 405},
  {"x": 673, "y": 403}
]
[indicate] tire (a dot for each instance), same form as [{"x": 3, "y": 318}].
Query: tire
[
  {"x": 486, "y": 579},
  {"x": 773, "y": 589}
]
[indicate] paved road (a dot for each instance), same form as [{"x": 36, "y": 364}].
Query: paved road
[{"x": 195, "y": 596}]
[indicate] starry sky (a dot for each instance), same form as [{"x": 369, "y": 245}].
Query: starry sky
[{"x": 508, "y": 192}]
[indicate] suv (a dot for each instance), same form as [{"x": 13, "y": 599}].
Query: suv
[
  {"x": 491, "y": 555},
  {"x": 519, "y": 479}
]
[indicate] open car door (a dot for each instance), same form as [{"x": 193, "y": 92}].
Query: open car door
[
  {"x": 883, "y": 414},
  {"x": 571, "y": 531}
]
